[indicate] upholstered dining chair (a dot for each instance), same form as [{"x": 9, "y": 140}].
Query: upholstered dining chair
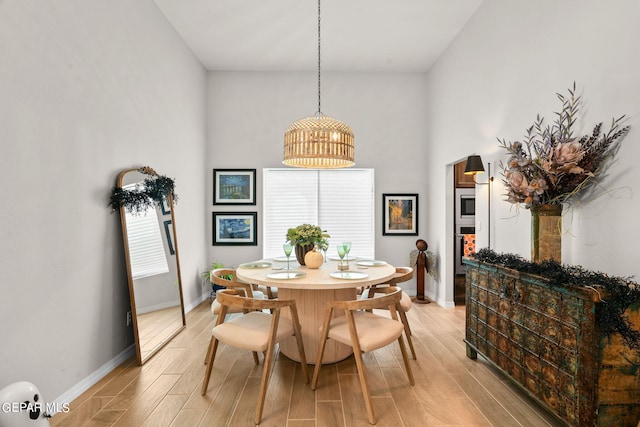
[
  {"x": 364, "y": 331},
  {"x": 256, "y": 331},
  {"x": 227, "y": 277},
  {"x": 402, "y": 274}
]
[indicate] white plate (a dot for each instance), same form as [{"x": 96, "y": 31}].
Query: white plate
[
  {"x": 371, "y": 263},
  {"x": 287, "y": 275},
  {"x": 284, "y": 259},
  {"x": 346, "y": 258},
  {"x": 259, "y": 264},
  {"x": 349, "y": 275}
]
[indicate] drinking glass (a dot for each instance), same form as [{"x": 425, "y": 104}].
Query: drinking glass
[
  {"x": 287, "y": 251},
  {"x": 341, "y": 253},
  {"x": 347, "y": 248}
]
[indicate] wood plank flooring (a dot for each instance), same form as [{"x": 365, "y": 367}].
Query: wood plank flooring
[{"x": 450, "y": 390}]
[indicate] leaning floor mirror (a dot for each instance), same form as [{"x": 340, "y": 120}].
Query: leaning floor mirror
[{"x": 146, "y": 204}]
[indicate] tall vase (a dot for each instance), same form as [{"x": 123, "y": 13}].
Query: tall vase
[
  {"x": 546, "y": 233},
  {"x": 301, "y": 251}
]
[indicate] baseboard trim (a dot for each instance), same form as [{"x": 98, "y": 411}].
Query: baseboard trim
[
  {"x": 84, "y": 385},
  {"x": 197, "y": 302}
]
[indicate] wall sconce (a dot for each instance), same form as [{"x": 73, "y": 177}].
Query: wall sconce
[{"x": 473, "y": 167}]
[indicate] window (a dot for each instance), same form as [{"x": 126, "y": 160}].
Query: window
[
  {"x": 339, "y": 201},
  {"x": 146, "y": 249}
]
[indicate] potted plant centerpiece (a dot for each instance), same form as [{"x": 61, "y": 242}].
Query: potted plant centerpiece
[
  {"x": 305, "y": 238},
  {"x": 552, "y": 166}
]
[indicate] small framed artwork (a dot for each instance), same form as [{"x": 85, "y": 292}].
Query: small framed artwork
[
  {"x": 235, "y": 228},
  {"x": 168, "y": 229},
  {"x": 400, "y": 214},
  {"x": 234, "y": 186},
  {"x": 164, "y": 206}
]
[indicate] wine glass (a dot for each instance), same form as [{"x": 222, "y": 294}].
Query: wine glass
[
  {"x": 287, "y": 251},
  {"x": 341, "y": 253},
  {"x": 347, "y": 248},
  {"x": 324, "y": 247}
]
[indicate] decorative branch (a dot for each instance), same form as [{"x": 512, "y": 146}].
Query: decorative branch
[{"x": 151, "y": 193}]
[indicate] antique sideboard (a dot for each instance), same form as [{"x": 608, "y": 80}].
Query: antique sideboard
[{"x": 546, "y": 339}]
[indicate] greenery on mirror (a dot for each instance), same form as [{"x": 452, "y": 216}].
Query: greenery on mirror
[
  {"x": 152, "y": 192},
  {"x": 619, "y": 292}
]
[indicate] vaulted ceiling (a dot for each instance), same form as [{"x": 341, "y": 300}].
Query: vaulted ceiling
[{"x": 282, "y": 35}]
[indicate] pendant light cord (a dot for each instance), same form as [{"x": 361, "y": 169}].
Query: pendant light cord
[{"x": 319, "y": 113}]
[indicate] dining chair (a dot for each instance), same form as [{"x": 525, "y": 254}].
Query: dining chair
[
  {"x": 402, "y": 274},
  {"x": 256, "y": 331},
  {"x": 227, "y": 277},
  {"x": 364, "y": 331}
]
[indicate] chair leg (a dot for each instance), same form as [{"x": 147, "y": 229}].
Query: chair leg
[
  {"x": 266, "y": 369},
  {"x": 323, "y": 343},
  {"x": 407, "y": 332},
  {"x": 298, "y": 334},
  {"x": 405, "y": 358},
  {"x": 365, "y": 386},
  {"x": 213, "y": 348},
  {"x": 255, "y": 358}
]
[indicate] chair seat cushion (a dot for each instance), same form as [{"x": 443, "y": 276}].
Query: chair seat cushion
[
  {"x": 251, "y": 331},
  {"x": 374, "y": 331},
  {"x": 405, "y": 300},
  {"x": 215, "y": 305}
]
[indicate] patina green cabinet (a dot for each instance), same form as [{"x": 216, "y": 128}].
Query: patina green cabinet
[{"x": 547, "y": 340}]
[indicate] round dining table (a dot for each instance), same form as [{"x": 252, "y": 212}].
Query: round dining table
[{"x": 312, "y": 291}]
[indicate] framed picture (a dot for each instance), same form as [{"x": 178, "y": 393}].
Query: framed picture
[
  {"x": 164, "y": 206},
  {"x": 235, "y": 228},
  {"x": 234, "y": 186},
  {"x": 399, "y": 214},
  {"x": 168, "y": 229}
]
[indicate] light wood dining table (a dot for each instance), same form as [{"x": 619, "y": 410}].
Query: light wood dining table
[{"x": 311, "y": 293}]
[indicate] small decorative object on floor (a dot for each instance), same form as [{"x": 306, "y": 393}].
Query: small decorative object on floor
[
  {"x": 305, "y": 237},
  {"x": 421, "y": 266},
  {"x": 21, "y": 404},
  {"x": 552, "y": 166}
]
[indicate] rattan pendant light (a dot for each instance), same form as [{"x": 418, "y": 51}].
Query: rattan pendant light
[{"x": 319, "y": 141}]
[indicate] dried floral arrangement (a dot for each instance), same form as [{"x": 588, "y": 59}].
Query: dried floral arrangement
[
  {"x": 620, "y": 292},
  {"x": 150, "y": 193},
  {"x": 552, "y": 165}
]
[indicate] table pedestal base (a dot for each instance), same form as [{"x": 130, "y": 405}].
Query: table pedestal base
[{"x": 311, "y": 305}]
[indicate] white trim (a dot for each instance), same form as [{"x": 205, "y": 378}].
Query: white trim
[
  {"x": 84, "y": 385},
  {"x": 197, "y": 302}
]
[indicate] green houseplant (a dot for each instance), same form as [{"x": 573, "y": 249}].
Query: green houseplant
[
  {"x": 206, "y": 276},
  {"x": 305, "y": 237}
]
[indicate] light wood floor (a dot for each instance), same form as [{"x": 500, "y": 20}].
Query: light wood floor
[{"x": 450, "y": 390}]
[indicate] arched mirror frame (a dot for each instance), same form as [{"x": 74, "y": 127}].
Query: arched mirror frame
[{"x": 143, "y": 355}]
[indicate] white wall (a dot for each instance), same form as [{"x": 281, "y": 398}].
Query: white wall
[
  {"x": 249, "y": 113},
  {"x": 504, "y": 68},
  {"x": 87, "y": 88}
]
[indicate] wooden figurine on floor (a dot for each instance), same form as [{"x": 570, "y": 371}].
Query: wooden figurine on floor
[{"x": 422, "y": 265}]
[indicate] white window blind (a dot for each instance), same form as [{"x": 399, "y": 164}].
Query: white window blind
[
  {"x": 146, "y": 248},
  {"x": 339, "y": 201}
]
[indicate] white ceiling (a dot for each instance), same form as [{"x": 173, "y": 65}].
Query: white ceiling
[{"x": 282, "y": 35}]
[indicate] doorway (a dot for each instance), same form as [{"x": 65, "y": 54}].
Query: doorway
[{"x": 464, "y": 210}]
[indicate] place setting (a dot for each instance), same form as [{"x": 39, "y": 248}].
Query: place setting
[
  {"x": 343, "y": 270},
  {"x": 287, "y": 272}
]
